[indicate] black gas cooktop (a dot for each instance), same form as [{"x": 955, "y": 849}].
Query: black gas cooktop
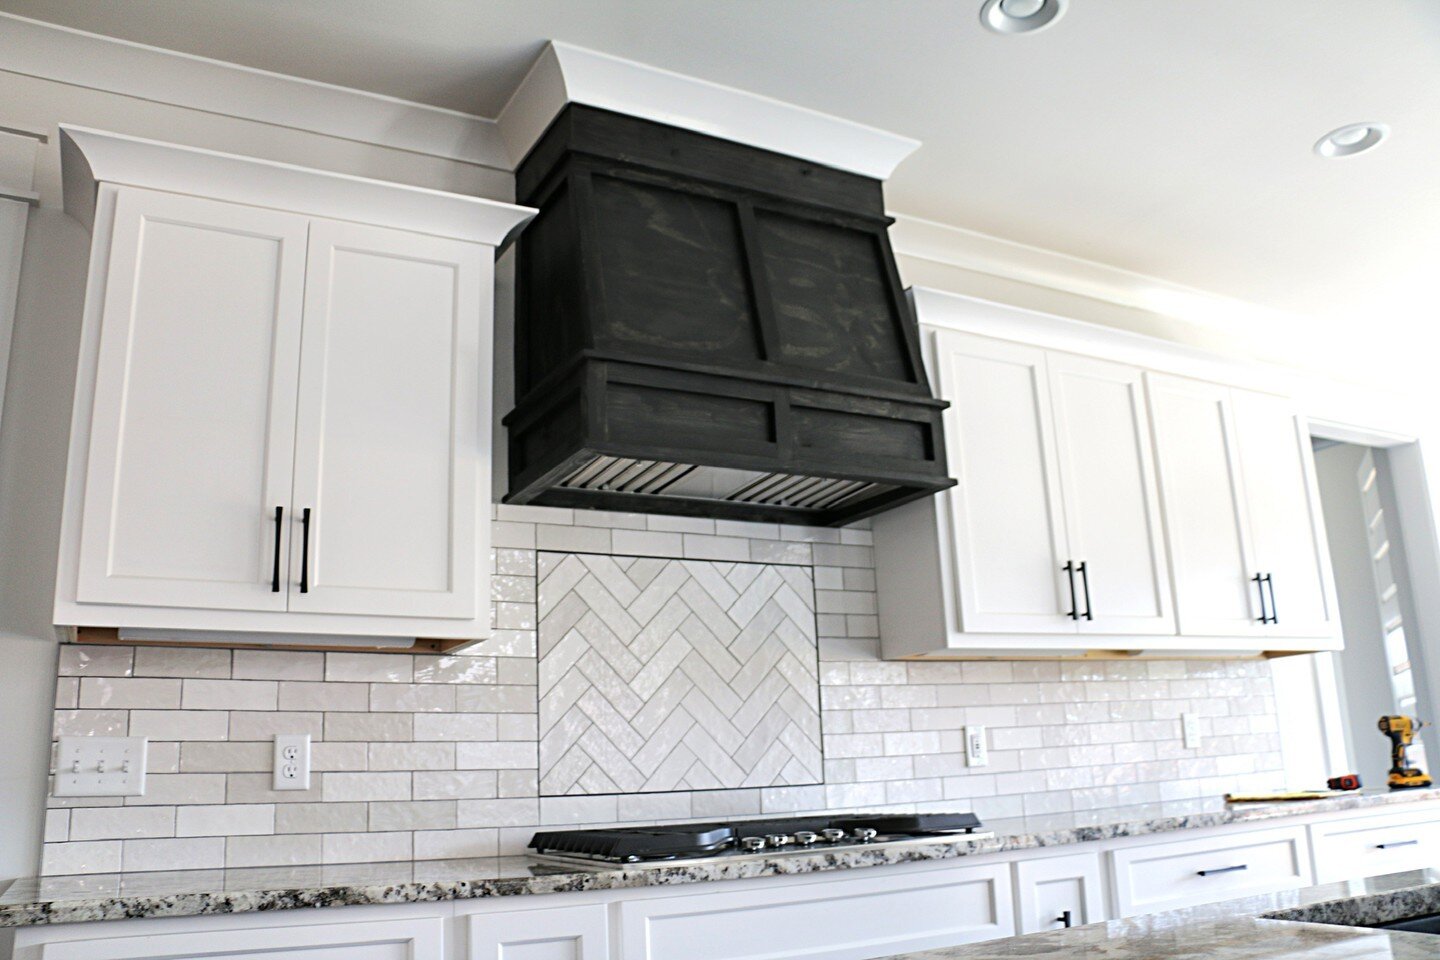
[{"x": 741, "y": 838}]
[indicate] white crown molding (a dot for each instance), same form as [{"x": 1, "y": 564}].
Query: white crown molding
[
  {"x": 983, "y": 253},
  {"x": 564, "y": 73},
  {"x": 51, "y": 52},
  {"x": 90, "y": 157}
]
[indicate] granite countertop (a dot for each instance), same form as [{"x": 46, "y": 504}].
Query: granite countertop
[
  {"x": 1279, "y": 926},
  {"x": 198, "y": 892}
]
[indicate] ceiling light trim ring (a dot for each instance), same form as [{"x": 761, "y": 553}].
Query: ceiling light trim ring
[
  {"x": 1351, "y": 139},
  {"x": 994, "y": 16}
]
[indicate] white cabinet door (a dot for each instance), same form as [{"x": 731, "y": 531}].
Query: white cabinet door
[
  {"x": 1058, "y": 892},
  {"x": 421, "y": 939},
  {"x": 192, "y": 435},
  {"x": 1008, "y": 521},
  {"x": 826, "y": 920},
  {"x": 1112, "y": 508},
  {"x": 552, "y": 933},
  {"x": 388, "y": 444},
  {"x": 1285, "y": 516},
  {"x": 1203, "y": 500}
]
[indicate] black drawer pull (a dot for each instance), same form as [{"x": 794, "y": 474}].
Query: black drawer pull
[
  {"x": 1065, "y": 919},
  {"x": 1274, "y": 611},
  {"x": 1234, "y": 869},
  {"x": 1085, "y": 580},
  {"x": 305, "y": 551},
  {"x": 275, "y": 576},
  {"x": 1397, "y": 843}
]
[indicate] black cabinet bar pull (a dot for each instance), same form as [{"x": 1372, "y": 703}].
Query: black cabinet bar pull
[
  {"x": 1085, "y": 581},
  {"x": 1069, "y": 569},
  {"x": 305, "y": 550},
  {"x": 1396, "y": 843},
  {"x": 1274, "y": 612},
  {"x": 1259, "y": 582},
  {"x": 1211, "y": 873},
  {"x": 275, "y": 576},
  {"x": 1065, "y": 919}
]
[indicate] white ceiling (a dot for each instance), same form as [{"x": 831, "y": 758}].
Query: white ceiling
[{"x": 1167, "y": 137}]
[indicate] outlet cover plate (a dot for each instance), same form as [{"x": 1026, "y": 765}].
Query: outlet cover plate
[
  {"x": 292, "y": 761},
  {"x": 1190, "y": 730},
  {"x": 977, "y": 751},
  {"x": 100, "y": 767}
]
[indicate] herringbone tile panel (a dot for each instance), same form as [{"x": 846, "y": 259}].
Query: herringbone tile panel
[{"x": 661, "y": 675}]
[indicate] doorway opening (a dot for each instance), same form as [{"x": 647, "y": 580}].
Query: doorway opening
[{"x": 1381, "y": 537}]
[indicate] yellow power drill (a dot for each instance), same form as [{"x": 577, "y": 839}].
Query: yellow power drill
[{"x": 1401, "y": 731}]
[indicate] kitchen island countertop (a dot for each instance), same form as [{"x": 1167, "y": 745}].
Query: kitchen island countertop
[{"x": 1279, "y": 926}]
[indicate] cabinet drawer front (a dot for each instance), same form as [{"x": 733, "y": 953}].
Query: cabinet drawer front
[
  {"x": 834, "y": 919},
  {"x": 192, "y": 427},
  {"x": 1373, "y": 846},
  {"x": 1169, "y": 875}
]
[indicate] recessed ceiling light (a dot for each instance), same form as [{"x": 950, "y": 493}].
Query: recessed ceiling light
[
  {"x": 1351, "y": 139},
  {"x": 1020, "y": 16}
]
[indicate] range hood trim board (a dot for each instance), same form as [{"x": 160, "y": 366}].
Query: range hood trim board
[{"x": 678, "y": 314}]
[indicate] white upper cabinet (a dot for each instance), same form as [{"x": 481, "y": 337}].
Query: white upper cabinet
[
  {"x": 1099, "y": 506},
  {"x": 282, "y": 418},
  {"x": 193, "y": 428},
  {"x": 388, "y": 393},
  {"x": 1008, "y": 520},
  {"x": 1287, "y": 527},
  {"x": 1243, "y": 514},
  {"x": 1205, "y": 509},
  {"x": 1112, "y": 509}
]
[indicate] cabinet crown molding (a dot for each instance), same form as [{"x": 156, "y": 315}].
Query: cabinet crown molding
[
  {"x": 90, "y": 157},
  {"x": 565, "y": 73}
]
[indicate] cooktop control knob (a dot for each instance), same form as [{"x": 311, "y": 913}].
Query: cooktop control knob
[
  {"x": 864, "y": 833},
  {"x": 752, "y": 843},
  {"x": 832, "y": 835},
  {"x": 778, "y": 840},
  {"x": 805, "y": 837}
]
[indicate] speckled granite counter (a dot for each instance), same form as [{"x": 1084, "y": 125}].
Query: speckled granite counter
[
  {"x": 1254, "y": 928},
  {"x": 199, "y": 892}
]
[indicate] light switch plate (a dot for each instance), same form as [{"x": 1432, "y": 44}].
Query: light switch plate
[
  {"x": 1190, "y": 730},
  {"x": 977, "y": 752},
  {"x": 292, "y": 761},
  {"x": 100, "y": 767}
]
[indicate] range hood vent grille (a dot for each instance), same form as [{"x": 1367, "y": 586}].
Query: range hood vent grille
[
  {"x": 659, "y": 478},
  {"x": 710, "y": 329}
]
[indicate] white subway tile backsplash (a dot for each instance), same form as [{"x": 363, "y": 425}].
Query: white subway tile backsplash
[{"x": 435, "y": 755}]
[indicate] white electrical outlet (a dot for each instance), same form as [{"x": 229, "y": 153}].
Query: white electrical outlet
[
  {"x": 100, "y": 767},
  {"x": 977, "y": 752},
  {"x": 1190, "y": 730},
  {"x": 292, "y": 761}
]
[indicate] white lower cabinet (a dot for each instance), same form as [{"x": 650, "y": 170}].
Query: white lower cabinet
[
  {"x": 1059, "y": 892},
  {"x": 413, "y": 939},
  {"x": 1371, "y": 846},
  {"x": 548, "y": 933},
  {"x": 1164, "y": 876},
  {"x": 881, "y": 913}
]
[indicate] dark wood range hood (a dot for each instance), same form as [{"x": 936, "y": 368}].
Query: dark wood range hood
[{"x": 711, "y": 329}]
